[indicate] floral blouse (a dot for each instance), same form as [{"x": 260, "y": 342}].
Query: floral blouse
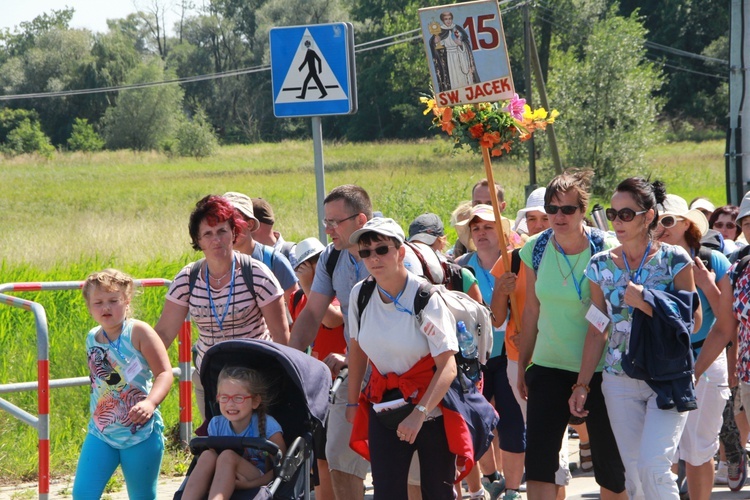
[{"x": 657, "y": 273}]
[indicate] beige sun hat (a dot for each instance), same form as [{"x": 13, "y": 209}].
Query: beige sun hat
[
  {"x": 677, "y": 206},
  {"x": 483, "y": 212}
]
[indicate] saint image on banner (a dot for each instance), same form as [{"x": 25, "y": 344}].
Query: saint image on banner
[{"x": 452, "y": 56}]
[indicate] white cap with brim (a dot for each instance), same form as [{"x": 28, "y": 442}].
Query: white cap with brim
[
  {"x": 702, "y": 204},
  {"x": 744, "y": 208},
  {"x": 677, "y": 206},
  {"x": 483, "y": 212},
  {"x": 244, "y": 205},
  {"x": 381, "y": 225},
  {"x": 306, "y": 249},
  {"x": 534, "y": 203}
]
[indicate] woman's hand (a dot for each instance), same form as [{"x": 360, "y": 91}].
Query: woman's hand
[
  {"x": 351, "y": 412},
  {"x": 634, "y": 296},
  {"x": 522, "y": 391},
  {"x": 410, "y": 426},
  {"x": 506, "y": 284},
  {"x": 703, "y": 277},
  {"x": 577, "y": 401}
]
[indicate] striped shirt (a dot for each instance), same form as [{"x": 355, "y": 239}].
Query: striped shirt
[{"x": 243, "y": 316}]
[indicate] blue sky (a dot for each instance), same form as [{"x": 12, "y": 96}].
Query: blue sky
[{"x": 91, "y": 14}]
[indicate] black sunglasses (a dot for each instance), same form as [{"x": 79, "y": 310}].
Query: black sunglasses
[
  {"x": 565, "y": 209},
  {"x": 625, "y": 214},
  {"x": 729, "y": 225},
  {"x": 381, "y": 250}
]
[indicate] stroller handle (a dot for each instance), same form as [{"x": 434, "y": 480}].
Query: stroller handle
[
  {"x": 238, "y": 444},
  {"x": 343, "y": 374}
]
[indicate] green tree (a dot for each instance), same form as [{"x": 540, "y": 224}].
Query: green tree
[
  {"x": 196, "y": 137},
  {"x": 142, "y": 119},
  {"x": 84, "y": 137},
  {"x": 607, "y": 100}
]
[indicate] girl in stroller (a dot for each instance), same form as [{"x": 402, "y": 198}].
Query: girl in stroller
[{"x": 243, "y": 396}]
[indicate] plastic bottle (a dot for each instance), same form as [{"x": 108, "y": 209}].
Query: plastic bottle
[{"x": 466, "y": 343}]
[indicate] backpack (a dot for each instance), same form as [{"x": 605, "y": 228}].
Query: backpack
[
  {"x": 596, "y": 237},
  {"x": 246, "y": 265},
  {"x": 452, "y": 277},
  {"x": 743, "y": 257},
  {"x": 477, "y": 318},
  {"x": 704, "y": 253}
]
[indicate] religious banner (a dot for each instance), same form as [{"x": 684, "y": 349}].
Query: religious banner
[{"x": 466, "y": 53}]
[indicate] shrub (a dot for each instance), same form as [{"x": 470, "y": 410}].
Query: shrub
[
  {"x": 196, "y": 137},
  {"x": 84, "y": 137},
  {"x": 28, "y": 137}
]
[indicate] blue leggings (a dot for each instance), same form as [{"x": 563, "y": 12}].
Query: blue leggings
[{"x": 140, "y": 466}]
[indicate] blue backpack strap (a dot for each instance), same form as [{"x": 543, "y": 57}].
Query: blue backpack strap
[
  {"x": 267, "y": 255},
  {"x": 540, "y": 245},
  {"x": 597, "y": 239}
]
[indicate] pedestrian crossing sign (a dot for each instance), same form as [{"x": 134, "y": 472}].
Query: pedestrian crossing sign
[{"x": 313, "y": 71}]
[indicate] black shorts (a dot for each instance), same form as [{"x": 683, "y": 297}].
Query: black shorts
[{"x": 547, "y": 418}]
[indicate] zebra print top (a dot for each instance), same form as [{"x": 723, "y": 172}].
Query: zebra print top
[
  {"x": 243, "y": 319},
  {"x": 112, "y": 396}
]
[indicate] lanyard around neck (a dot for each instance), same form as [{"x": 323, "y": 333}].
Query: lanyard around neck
[
  {"x": 577, "y": 283},
  {"x": 219, "y": 321},
  {"x": 395, "y": 301},
  {"x": 115, "y": 345},
  {"x": 637, "y": 278}
]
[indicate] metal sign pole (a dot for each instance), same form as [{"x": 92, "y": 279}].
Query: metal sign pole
[{"x": 320, "y": 181}]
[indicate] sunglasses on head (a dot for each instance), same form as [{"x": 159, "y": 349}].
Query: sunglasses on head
[
  {"x": 381, "y": 250},
  {"x": 722, "y": 225},
  {"x": 624, "y": 214},
  {"x": 565, "y": 209},
  {"x": 669, "y": 221}
]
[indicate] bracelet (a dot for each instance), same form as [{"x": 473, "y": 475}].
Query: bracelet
[
  {"x": 576, "y": 386},
  {"x": 351, "y": 405}
]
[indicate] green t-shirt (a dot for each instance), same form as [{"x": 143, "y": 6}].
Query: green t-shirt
[{"x": 562, "y": 323}]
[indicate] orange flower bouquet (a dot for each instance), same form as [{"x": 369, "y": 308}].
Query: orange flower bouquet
[{"x": 495, "y": 126}]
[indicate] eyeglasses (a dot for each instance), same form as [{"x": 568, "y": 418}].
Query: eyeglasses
[
  {"x": 722, "y": 225},
  {"x": 381, "y": 250},
  {"x": 625, "y": 214},
  {"x": 237, "y": 399},
  {"x": 565, "y": 209},
  {"x": 333, "y": 223},
  {"x": 669, "y": 221}
]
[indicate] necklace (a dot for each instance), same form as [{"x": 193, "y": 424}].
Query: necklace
[
  {"x": 559, "y": 267},
  {"x": 218, "y": 280}
]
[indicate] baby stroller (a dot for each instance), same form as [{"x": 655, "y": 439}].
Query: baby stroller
[{"x": 301, "y": 385}]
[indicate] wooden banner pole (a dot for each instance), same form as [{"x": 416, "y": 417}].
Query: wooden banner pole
[{"x": 500, "y": 233}]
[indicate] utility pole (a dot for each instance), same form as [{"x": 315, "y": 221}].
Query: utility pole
[{"x": 738, "y": 137}]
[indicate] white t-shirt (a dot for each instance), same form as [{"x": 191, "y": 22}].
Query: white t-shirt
[{"x": 392, "y": 339}]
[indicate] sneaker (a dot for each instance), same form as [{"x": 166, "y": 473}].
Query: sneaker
[
  {"x": 720, "y": 477},
  {"x": 512, "y": 495},
  {"x": 480, "y": 495},
  {"x": 737, "y": 473},
  {"x": 494, "y": 488}
]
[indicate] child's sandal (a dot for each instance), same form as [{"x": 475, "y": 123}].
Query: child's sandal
[{"x": 584, "y": 451}]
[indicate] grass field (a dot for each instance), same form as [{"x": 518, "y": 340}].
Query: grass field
[{"x": 76, "y": 213}]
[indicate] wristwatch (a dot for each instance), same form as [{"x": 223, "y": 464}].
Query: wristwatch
[{"x": 422, "y": 409}]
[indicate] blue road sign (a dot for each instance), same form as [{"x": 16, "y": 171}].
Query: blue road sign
[{"x": 313, "y": 71}]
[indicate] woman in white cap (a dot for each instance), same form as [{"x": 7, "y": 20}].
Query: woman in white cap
[
  {"x": 700, "y": 438},
  {"x": 628, "y": 283},
  {"x": 386, "y": 333}
]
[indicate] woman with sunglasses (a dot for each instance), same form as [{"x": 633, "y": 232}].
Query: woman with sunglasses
[
  {"x": 723, "y": 220},
  {"x": 700, "y": 439},
  {"x": 553, "y": 329},
  {"x": 404, "y": 355},
  {"x": 647, "y": 435}
]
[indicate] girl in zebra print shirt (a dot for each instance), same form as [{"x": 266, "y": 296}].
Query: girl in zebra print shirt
[{"x": 124, "y": 356}]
